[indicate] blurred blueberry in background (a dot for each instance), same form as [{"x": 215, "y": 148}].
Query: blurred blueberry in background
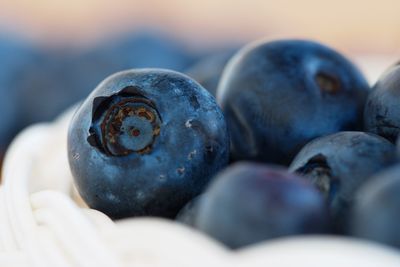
[
  {"x": 15, "y": 55},
  {"x": 143, "y": 49},
  {"x": 375, "y": 215},
  {"x": 208, "y": 70}
]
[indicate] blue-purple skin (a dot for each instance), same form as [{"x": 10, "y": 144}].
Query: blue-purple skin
[
  {"x": 339, "y": 164},
  {"x": 145, "y": 142},
  {"x": 277, "y": 96},
  {"x": 248, "y": 203},
  {"x": 376, "y": 215},
  {"x": 382, "y": 111}
]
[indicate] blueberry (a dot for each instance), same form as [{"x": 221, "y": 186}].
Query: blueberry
[
  {"x": 188, "y": 214},
  {"x": 382, "y": 111},
  {"x": 249, "y": 202},
  {"x": 376, "y": 211},
  {"x": 339, "y": 164},
  {"x": 145, "y": 142},
  {"x": 208, "y": 71},
  {"x": 279, "y": 95}
]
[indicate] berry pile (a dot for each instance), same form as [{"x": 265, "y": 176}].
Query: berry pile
[{"x": 280, "y": 138}]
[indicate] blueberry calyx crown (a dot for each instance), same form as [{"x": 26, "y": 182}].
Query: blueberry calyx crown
[
  {"x": 327, "y": 83},
  {"x": 318, "y": 171},
  {"x": 124, "y": 123}
]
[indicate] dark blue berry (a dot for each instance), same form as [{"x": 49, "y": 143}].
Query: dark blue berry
[
  {"x": 339, "y": 164},
  {"x": 277, "y": 96},
  {"x": 376, "y": 213},
  {"x": 382, "y": 111},
  {"x": 248, "y": 203},
  {"x": 146, "y": 142}
]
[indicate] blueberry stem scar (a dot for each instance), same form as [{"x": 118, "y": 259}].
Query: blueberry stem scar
[{"x": 123, "y": 124}]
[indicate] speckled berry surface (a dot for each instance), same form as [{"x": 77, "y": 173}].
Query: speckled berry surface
[
  {"x": 145, "y": 142},
  {"x": 382, "y": 111}
]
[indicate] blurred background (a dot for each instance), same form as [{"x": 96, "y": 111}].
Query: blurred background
[
  {"x": 353, "y": 25},
  {"x": 53, "y": 53}
]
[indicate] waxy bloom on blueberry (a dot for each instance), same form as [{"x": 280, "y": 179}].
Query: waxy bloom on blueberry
[
  {"x": 277, "y": 96},
  {"x": 146, "y": 142}
]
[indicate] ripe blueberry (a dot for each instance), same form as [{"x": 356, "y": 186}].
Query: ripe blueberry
[
  {"x": 382, "y": 110},
  {"x": 145, "y": 142},
  {"x": 277, "y": 96},
  {"x": 248, "y": 203},
  {"x": 339, "y": 164},
  {"x": 376, "y": 211}
]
